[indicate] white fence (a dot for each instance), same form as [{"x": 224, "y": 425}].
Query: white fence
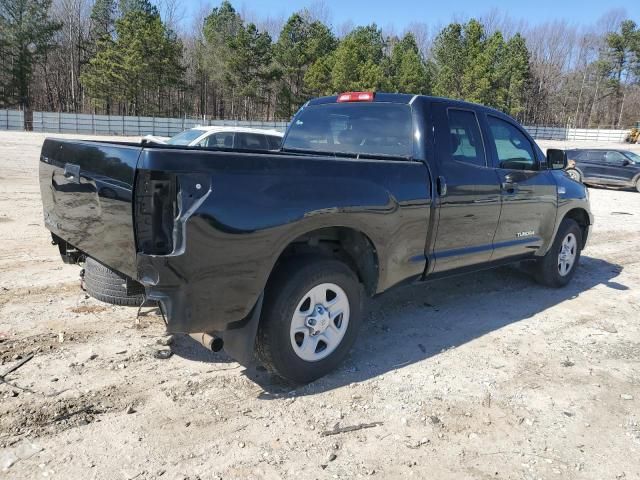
[
  {"x": 11, "y": 120},
  {"x": 132, "y": 126},
  {"x": 136, "y": 126},
  {"x": 577, "y": 134}
]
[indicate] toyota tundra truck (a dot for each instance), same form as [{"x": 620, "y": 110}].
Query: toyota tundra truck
[{"x": 270, "y": 255}]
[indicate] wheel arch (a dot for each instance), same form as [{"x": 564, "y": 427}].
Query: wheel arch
[
  {"x": 347, "y": 244},
  {"x": 581, "y": 217},
  {"x": 577, "y": 169}
]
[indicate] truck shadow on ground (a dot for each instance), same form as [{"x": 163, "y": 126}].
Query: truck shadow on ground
[{"x": 418, "y": 322}]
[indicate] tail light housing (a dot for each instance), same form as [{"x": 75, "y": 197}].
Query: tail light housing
[
  {"x": 155, "y": 212},
  {"x": 356, "y": 97}
]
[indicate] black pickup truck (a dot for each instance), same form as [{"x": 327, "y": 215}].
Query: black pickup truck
[{"x": 273, "y": 253}]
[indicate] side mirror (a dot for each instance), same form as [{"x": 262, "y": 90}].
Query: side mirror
[
  {"x": 556, "y": 159},
  {"x": 625, "y": 163}
]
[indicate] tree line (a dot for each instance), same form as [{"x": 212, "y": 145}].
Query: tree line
[{"x": 130, "y": 57}]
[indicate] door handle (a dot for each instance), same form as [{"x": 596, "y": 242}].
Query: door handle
[
  {"x": 441, "y": 184},
  {"x": 72, "y": 172}
]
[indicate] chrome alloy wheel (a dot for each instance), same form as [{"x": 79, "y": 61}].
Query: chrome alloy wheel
[
  {"x": 567, "y": 254},
  {"x": 319, "y": 322}
]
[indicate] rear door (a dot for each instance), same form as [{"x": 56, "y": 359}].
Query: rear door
[
  {"x": 86, "y": 190},
  {"x": 583, "y": 161},
  {"x": 528, "y": 190},
  {"x": 468, "y": 190},
  {"x": 592, "y": 164}
]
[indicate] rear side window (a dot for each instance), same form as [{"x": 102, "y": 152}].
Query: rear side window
[
  {"x": 591, "y": 156},
  {"x": 353, "y": 128},
  {"x": 466, "y": 141},
  {"x": 514, "y": 150},
  {"x": 186, "y": 137},
  {"x": 274, "y": 142},
  {"x": 251, "y": 141}
]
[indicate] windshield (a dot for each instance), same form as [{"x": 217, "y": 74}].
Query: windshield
[
  {"x": 353, "y": 128},
  {"x": 633, "y": 156},
  {"x": 186, "y": 137}
]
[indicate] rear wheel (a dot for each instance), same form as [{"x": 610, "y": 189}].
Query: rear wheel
[
  {"x": 638, "y": 185},
  {"x": 310, "y": 318},
  {"x": 574, "y": 174},
  {"x": 109, "y": 286},
  {"x": 557, "y": 267}
]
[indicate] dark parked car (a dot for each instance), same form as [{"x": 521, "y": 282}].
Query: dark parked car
[
  {"x": 274, "y": 252},
  {"x": 619, "y": 168}
]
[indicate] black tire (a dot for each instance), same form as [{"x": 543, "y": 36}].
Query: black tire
[
  {"x": 285, "y": 290},
  {"x": 547, "y": 270},
  {"x": 638, "y": 185},
  {"x": 574, "y": 174},
  {"x": 109, "y": 286}
]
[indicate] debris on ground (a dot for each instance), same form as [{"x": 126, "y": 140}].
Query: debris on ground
[
  {"x": 351, "y": 428},
  {"x": 162, "y": 354}
]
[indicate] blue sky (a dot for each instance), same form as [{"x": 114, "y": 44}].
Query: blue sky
[{"x": 400, "y": 13}]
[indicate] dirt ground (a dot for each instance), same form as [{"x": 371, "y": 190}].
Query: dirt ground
[{"x": 483, "y": 376}]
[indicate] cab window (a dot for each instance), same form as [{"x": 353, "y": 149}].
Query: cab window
[
  {"x": 353, "y": 129},
  {"x": 614, "y": 158},
  {"x": 514, "y": 150},
  {"x": 218, "y": 140},
  {"x": 251, "y": 141},
  {"x": 466, "y": 141},
  {"x": 594, "y": 156},
  {"x": 274, "y": 142}
]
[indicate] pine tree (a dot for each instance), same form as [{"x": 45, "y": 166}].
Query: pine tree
[
  {"x": 248, "y": 66},
  {"x": 301, "y": 43},
  {"x": 360, "y": 63},
  {"x": 449, "y": 61},
  {"x": 512, "y": 76},
  {"x": 138, "y": 66},
  {"x": 220, "y": 28},
  {"x": 479, "y": 60},
  {"x": 26, "y": 33},
  {"x": 623, "y": 52},
  {"x": 144, "y": 6},
  {"x": 410, "y": 74},
  {"x": 471, "y": 66},
  {"x": 103, "y": 14},
  {"x": 317, "y": 79}
]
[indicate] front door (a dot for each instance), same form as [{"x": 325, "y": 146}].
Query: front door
[
  {"x": 468, "y": 190},
  {"x": 528, "y": 191},
  {"x": 618, "y": 170}
]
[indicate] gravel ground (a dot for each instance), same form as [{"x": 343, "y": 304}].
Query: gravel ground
[{"x": 483, "y": 376}]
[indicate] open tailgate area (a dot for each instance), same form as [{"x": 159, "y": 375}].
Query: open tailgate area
[{"x": 86, "y": 192}]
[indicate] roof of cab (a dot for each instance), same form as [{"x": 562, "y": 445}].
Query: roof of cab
[
  {"x": 379, "y": 97},
  {"x": 405, "y": 98}
]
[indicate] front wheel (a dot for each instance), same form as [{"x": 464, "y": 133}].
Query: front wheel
[
  {"x": 310, "y": 319},
  {"x": 557, "y": 267},
  {"x": 638, "y": 185}
]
